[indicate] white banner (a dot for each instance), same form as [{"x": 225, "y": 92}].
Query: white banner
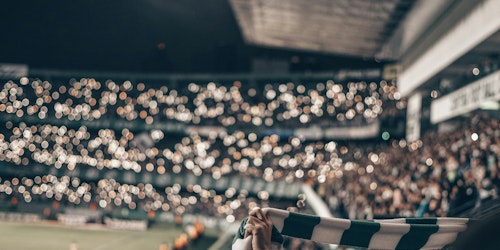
[
  {"x": 467, "y": 98},
  {"x": 413, "y": 117},
  {"x": 13, "y": 71}
]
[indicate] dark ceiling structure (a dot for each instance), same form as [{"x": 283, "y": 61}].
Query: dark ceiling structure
[{"x": 197, "y": 36}]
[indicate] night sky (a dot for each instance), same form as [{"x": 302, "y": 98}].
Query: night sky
[{"x": 162, "y": 36}]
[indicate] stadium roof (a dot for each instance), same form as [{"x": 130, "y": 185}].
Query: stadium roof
[
  {"x": 488, "y": 50},
  {"x": 462, "y": 43},
  {"x": 217, "y": 36},
  {"x": 349, "y": 27}
]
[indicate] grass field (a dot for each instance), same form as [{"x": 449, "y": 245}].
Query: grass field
[{"x": 15, "y": 236}]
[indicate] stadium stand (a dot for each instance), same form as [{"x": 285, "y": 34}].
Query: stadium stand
[
  {"x": 206, "y": 170},
  {"x": 103, "y": 150},
  {"x": 418, "y": 138}
]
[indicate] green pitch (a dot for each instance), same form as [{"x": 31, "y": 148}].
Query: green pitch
[{"x": 15, "y": 236}]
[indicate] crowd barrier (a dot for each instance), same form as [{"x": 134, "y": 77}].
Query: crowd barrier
[{"x": 135, "y": 225}]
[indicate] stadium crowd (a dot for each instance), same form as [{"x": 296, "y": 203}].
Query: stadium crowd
[
  {"x": 73, "y": 148},
  {"x": 290, "y": 104},
  {"x": 358, "y": 179},
  {"x": 442, "y": 174}
]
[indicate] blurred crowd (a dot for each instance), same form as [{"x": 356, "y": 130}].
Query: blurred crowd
[
  {"x": 25, "y": 143},
  {"x": 443, "y": 174},
  {"x": 358, "y": 179},
  {"x": 234, "y": 104}
]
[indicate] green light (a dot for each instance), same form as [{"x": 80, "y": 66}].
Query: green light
[{"x": 386, "y": 136}]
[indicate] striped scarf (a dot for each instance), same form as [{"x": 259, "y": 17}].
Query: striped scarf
[{"x": 403, "y": 233}]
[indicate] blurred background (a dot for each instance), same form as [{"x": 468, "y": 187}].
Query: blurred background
[{"x": 158, "y": 124}]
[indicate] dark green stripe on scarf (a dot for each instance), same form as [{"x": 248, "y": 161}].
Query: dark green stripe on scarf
[
  {"x": 431, "y": 221},
  {"x": 360, "y": 233},
  {"x": 417, "y": 237},
  {"x": 300, "y": 225}
]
